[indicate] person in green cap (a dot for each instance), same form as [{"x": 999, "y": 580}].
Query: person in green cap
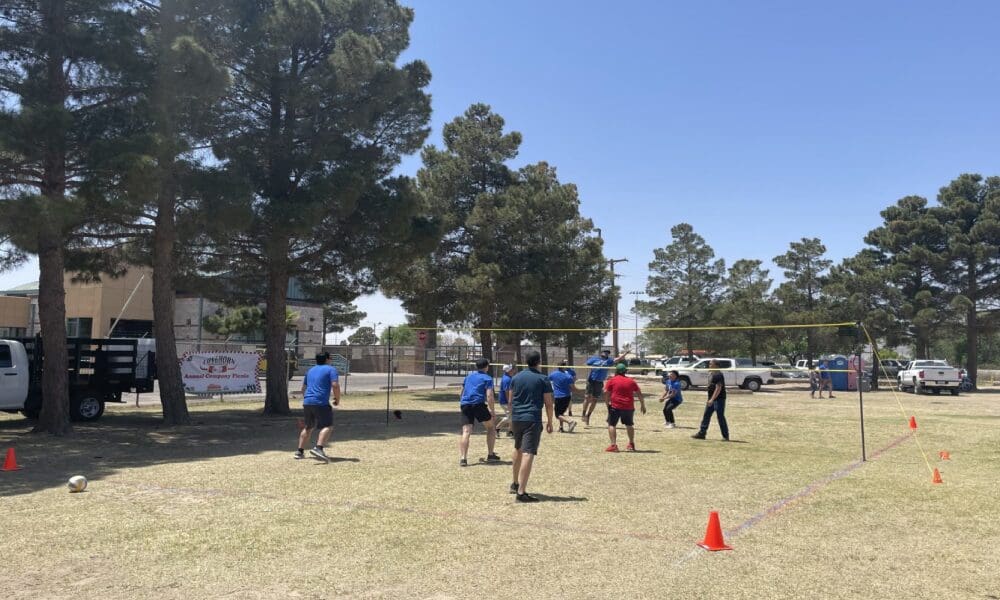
[{"x": 622, "y": 390}]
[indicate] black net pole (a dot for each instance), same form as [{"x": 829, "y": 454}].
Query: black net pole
[
  {"x": 388, "y": 379},
  {"x": 861, "y": 393}
]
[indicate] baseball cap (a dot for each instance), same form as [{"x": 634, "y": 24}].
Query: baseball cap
[
  {"x": 621, "y": 368},
  {"x": 606, "y": 351},
  {"x": 508, "y": 368}
]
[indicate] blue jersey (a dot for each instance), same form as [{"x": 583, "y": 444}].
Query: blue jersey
[
  {"x": 319, "y": 381},
  {"x": 599, "y": 374},
  {"x": 504, "y": 387},
  {"x": 474, "y": 389},
  {"x": 676, "y": 386},
  {"x": 823, "y": 372},
  {"x": 562, "y": 383}
]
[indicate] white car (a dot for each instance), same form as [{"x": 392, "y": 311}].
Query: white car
[
  {"x": 750, "y": 378},
  {"x": 674, "y": 362},
  {"x": 921, "y": 376}
]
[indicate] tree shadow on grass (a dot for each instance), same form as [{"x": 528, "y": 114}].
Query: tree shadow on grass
[{"x": 127, "y": 439}]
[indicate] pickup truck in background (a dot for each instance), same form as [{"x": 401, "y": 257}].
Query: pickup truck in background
[
  {"x": 749, "y": 378},
  {"x": 99, "y": 371},
  {"x": 919, "y": 376}
]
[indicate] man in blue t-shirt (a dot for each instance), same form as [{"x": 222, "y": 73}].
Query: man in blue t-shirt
[
  {"x": 673, "y": 397},
  {"x": 316, "y": 387},
  {"x": 825, "y": 381},
  {"x": 476, "y": 404},
  {"x": 562, "y": 392},
  {"x": 595, "y": 381},
  {"x": 504, "y": 399},
  {"x": 530, "y": 390}
]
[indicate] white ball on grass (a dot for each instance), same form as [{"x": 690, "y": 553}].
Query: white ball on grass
[{"x": 77, "y": 483}]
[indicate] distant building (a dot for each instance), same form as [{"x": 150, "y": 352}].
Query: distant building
[{"x": 93, "y": 308}]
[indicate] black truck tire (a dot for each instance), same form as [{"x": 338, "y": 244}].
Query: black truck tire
[{"x": 86, "y": 406}]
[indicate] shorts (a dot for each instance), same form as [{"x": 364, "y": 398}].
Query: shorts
[
  {"x": 475, "y": 412},
  {"x": 626, "y": 417},
  {"x": 562, "y": 404},
  {"x": 318, "y": 416},
  {"x": 595, "y": 388},
  {"x": 527, "y": 436}
]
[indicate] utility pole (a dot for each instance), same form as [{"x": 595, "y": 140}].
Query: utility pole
[
  {"x": 635, "y": 311},
  {"x": 614, "y": 309}
]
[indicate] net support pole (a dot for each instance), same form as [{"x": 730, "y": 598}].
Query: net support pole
[
  {"x": 861, "y": 393},
  {"x": 388, "y": 379}
]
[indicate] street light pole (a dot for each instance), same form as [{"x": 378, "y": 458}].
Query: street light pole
[
  {"x": 614, "y": 309},
  {"x": 635, "y": 311}
]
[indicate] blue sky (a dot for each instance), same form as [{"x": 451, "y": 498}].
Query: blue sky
[{"x": 757, "y": 122}]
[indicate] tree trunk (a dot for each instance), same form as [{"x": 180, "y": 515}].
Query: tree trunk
[
  {"x": 486, "y": 339},
  {"x": 569, "y": 355},
  {"x": 972, "y": 325},
  {"x": 175, "y": 411},
  {"x": 544, "y": 344},
  {"x": 276, "y": 330},
  {"x": 54, "y": 417}
]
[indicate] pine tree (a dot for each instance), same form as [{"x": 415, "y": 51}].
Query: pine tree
[
  {"x": 317, "y": 119},
  {"x": 801, "y": 293},
  {"x": 65, "y": 84}
]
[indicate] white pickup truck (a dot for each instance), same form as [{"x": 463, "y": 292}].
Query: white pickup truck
[
  {"x": 736, "y": 374},
  {"x": 934, "y": 375},
  {"x": 99, "y": 371}
]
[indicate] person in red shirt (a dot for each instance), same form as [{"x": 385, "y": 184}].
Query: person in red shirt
[{"x": 622, "y": 390}]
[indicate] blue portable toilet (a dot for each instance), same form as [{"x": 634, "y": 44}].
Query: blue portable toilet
[{"x": 838, "y": 366}]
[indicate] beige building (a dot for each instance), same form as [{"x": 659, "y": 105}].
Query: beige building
[
  {"x": 127, "y": 303},
  {"x": 15, "y": 316}
]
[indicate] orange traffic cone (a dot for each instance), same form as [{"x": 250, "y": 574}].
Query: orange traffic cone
[
  {"x": 713, "y": 534},
  {"x": 913, "y": 422},
  {"x": 944, "y": 455},
  {"x": 10, "y": 463},
  {"x": 937, "y": 477}
]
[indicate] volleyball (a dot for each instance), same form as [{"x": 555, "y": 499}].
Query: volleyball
[{"x": 77, "y": 483}]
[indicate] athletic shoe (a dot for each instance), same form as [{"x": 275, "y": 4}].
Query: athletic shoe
[
  {"x": 699, "y": 436},
  {"x": 572, "y": 426},
  {"x": 670, "y": 426},
  {"x": 612, "y": 448},
  {"x": 299, "y": 455},
  {"x": 833, "y": 396},
  {"x": 630, "y": 447},
  {"x": 586, "y": 420},
  {"x": 526, "y": 498},
  {"x": 318, "y": 453},
  {"x": 510, "y": 433},
  {"x": 513, "y": 488},
  {"x": 492, "y": 458},
  {"x": 463, "y": 462}
]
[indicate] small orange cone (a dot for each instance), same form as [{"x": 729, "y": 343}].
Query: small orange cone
[
  {"x": 944, "y": 455},
  {"x": 937, "y": 477},
  {"x": 713, "y": 534},
  {"x": 10, "y": 463},
  {"x": 913, "y": 422}
]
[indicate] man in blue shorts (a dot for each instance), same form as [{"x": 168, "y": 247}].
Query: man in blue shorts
[
  {"x": 530, "y": 389},
  {"x": 562, "y": 392},
  {"x": 673, "y": 397},
  {"x": 316, "y": 387},
  {"x": 477, "y": 405}
]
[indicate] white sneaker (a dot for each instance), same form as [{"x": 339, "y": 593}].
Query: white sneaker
[
  {"x": 572, "y": 426},
  {"x": 670, "y": 426}
]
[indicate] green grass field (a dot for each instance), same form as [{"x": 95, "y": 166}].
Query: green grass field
[{"x": 221, "y": 510}]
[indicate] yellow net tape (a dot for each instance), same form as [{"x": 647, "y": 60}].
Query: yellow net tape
[{"x": 604, "y": 330}]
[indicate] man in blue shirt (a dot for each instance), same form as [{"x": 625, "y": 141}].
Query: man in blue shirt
[
  {"x": 508, "y": 375},
  {"x": 672, "y": 394},
  {"x": 825, "y": 381},
  {"x": 316, "y": 387},
  {"x": 530, "y": 390},
  {"x": 477, "y": 405},
  {"x": 562, "y": 392},
  {"x": 595, "y": 381}
]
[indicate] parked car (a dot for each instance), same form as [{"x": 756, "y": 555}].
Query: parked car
[
  {"x": 675, "y": 362},
  {"x": 891, "y": 367},
  {"x": 934, "y": 375},
  {"x": 640, "y": 366},
  {"x": 750, "y": 378}
]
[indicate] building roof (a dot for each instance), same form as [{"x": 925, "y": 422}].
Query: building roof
[{"x": 23, "y": 289}]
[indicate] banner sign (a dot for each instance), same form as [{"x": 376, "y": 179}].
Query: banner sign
[{"x": 220, "y": 372}]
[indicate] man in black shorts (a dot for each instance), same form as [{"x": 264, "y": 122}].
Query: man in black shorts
[
  {"x": 317, "y": 385},
  {"x": 530, "y": 390},
  {"x": 476, "y": 404}
]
